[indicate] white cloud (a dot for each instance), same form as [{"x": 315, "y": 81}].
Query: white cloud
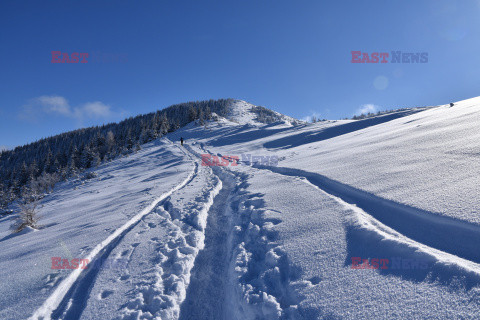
[
  {"x": 3, "y": 148},
  {"x": 94, "y": 110},
  {"x": 54, "y": 104},
  {"x": 366, "y": 108},
  {"x": 57, "y": 105}
]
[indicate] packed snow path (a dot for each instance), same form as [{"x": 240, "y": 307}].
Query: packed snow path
[{"x": 206, "y": 292}]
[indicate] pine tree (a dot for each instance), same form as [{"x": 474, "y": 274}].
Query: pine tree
[
  {"x": 4, "y": 199},
  {"x": 33, "y": 170},
  {"x": 87, "y": 158},
  {"x": 48, "y": 164},
  {"x": 110, "y": 144},
  {"x": 192, "y": 114},
  {"x": 164, "y": 125},
  {"x": 201, "y": 118},
  {"x": 129, "y": 141},
  {"x": 100, "y": 145},
  {"x": 23, "y": 175}
]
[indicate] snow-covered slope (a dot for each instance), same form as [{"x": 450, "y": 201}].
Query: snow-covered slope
[
  {"x": 243, "y": 113},
  {"x": 268, "y": 240},
  {"x": 400, "y": 192},
  {"x": 79, "y": 218}
]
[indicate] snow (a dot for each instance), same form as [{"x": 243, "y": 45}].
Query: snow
[
  {"x": 263, "y": 241},
  {"x": 241, "y": 113},
  {"x": 403, "y": 193},
  {"x": 77, "y": 218},
  {"x": 315, "y": 235},
  {"x": 154, "y": 282}
]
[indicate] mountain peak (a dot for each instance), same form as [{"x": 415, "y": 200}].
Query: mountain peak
[{"x": 243, "y": 112}]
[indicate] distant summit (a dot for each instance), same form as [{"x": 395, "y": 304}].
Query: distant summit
[{"x": 243, "y": 112}]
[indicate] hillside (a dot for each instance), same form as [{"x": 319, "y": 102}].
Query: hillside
[
  {"x": 261, "y": 216},
  {"x": 35, "y": 168}
]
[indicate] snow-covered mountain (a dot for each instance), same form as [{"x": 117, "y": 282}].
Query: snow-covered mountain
[
  {"x": 375, "y": 218},
  {"x": 245, "y": 113}
]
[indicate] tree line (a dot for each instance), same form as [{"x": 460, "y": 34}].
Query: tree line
[{"x": 35, "y": 168}]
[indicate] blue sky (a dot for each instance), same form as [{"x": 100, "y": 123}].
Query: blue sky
[{"x": 291, "y": 56}]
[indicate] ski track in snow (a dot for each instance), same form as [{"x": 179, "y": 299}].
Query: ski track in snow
[
  {"x": 185, "y": 251},
  {"x": 159, "y": 289},
  {"x": 68, "y": 298},
  {"x": 162, "y": 296}
]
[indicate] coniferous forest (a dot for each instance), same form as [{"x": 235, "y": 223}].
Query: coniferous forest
[{"x": 35, "y": 168}]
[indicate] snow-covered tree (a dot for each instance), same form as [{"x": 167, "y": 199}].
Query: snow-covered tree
[{"x": 69, "y": 153}]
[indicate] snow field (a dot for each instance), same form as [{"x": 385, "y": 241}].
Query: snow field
[
  {"x": 157, "y": 287},
  {"x": 54, "y": 300},
  {"x": 265, "y": 242},
  {"x": 317, "y": 234}
]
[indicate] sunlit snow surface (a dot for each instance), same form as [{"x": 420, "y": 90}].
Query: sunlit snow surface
[{"x": 265, "y": 241}]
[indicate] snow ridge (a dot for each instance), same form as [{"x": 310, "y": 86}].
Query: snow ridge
[{"x": 459, "y": 257}]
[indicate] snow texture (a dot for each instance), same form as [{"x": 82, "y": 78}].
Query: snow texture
[{"x": 263, "y": 241}]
